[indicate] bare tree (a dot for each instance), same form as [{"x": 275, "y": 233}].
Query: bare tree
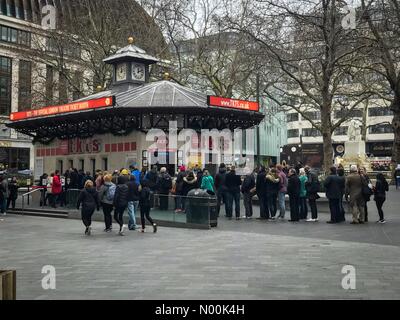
[
  {"x": 76, "y": 49},
  {"x": 206, "y": 55},
  {"x": 314, "y": 58},
  {"x": 383, "y": 21}
]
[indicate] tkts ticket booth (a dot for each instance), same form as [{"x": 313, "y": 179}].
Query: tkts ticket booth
[{"x": 110, "y": 129}]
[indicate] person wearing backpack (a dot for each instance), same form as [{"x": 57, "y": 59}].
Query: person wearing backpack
[
  {"x": 106, "y": 196},
  {"x": 89, "y": 199},
  {"x": 145, "y": 206},
  {"x": 121, "y": 203},
  {"x": 164, "y": 185}
]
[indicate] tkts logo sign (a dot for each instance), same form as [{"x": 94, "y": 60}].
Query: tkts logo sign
[{"x": 82, "y": 146}]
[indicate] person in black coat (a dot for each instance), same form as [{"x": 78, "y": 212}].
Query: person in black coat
[
  {"x": 220, "y": 186},
  {"x": 121, "y": 198},
  {"x": 145, "y": 206},
  {"x": 334, "y": 186},
  {"x": 89, "y": 199},
  {"x": 294, "y": 195},
  {"x": 179, "y": 189},
  {"x": 233, "y": 183},
  {"x": 151, "y": 177},
  {"x": 13, "y": 192},
  {"x": 248, "y": 187},
  {"x": 312, "y": 187},
  {"x": 380, "y": 190},
  {"x": 262, "y": 192},
  {"x": 164, "y": 185}
]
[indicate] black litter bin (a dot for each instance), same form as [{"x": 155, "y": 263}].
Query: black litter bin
[{"x": 202, "y": 206}]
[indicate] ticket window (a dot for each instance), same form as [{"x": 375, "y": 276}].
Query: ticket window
[
  {"x": 105, "y": 164},
  {"x": 82, "y": 164},
  {"x": 93, "y": 166},
  {"x": 60, "y": 166}
]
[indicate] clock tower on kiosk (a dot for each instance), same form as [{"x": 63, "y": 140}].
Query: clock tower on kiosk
[{"x": 131, "y": 67}]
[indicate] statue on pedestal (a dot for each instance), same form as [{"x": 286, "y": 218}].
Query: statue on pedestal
[{"x": 354, "y": 132}]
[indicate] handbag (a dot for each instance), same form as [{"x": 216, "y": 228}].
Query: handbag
[{"x": 365, "y": 189}]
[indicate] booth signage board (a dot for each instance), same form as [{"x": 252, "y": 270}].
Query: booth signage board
[
  {"x": 214, "y": 101},
  {"x": 67, "y": 108},
  {"x": 84, "y": 146}
]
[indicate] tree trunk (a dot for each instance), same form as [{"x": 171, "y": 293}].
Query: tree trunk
[{"x": 328, "y": 150}]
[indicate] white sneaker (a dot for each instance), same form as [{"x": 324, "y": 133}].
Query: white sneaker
[
  {"x": 89, "y": 232},
  {"x": 121, "y": 232},
  {"x": 382, "y": 221},
  {"x": 310, "y": 220}
]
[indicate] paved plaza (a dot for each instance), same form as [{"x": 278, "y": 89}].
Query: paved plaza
[{"x": 238, "y": 260}]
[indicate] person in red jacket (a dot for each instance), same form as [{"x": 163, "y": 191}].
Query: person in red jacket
[{"x": 56, "y": 188}]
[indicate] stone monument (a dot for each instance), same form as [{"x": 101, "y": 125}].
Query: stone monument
[{"x": 355, "y": 148}]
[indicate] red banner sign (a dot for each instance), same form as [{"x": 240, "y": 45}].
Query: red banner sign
[
  {"x": 72, "y": 107},
  {"x": 233, "y": 103}
]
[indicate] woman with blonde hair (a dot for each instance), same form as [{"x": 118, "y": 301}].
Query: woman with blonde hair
[{"x": 89, "y": 199}]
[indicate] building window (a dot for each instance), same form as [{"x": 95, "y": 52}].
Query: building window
[
  {"x": 5, "y": 86},
  {"x": 380, "y": 111},
  {"x": 311, "y": 132},
  {"x": 15, "y": 36},
  {"x": 312, "y": 115},
  {"x": 14, "y": 159},
  {"x": 105, "y": 164},
  {"x": 341, "y": 131},
  {"x": 381, "y": 128},
  {"x": 82, "y": 164},
  {"x": 355, "y": 113},
  {"x": 293, "y": 133},
  {"x": 25, "y": 85},
  {"x": 291, "y": 117},
  {"x": 63, "y": 46}
]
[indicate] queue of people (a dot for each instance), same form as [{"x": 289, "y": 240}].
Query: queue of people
[{"x": 132, "y": 190}]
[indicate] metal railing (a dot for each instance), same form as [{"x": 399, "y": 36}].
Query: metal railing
[{"x": 27, "y": 195}]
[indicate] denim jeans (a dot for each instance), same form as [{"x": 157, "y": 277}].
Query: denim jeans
[
  {"x": 397, "y": 182},
  {"x": 282, "y": 206},
  {"x": 233, "y": 196},
  {"x": 303, "y": 208},
  {"x": 132, "y": 209}
]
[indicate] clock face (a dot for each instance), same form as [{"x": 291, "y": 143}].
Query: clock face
[
  {"x": 121, "y": 72},
  {"x": 138, "y": 71}
]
